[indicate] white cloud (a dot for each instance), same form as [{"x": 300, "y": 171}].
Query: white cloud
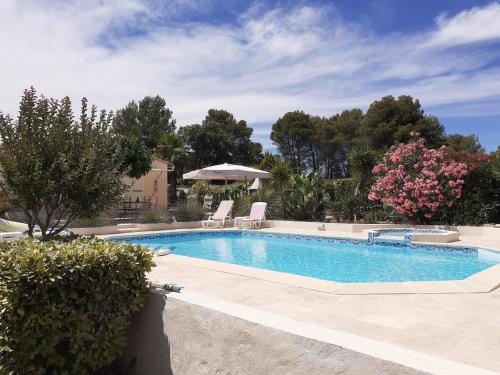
[
  {"x": 471, "y": 108},
  {"x": 270, "y": 62},
  {"x": 474, "y": 25}
]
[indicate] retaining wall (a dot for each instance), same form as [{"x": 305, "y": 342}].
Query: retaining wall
[
  {"x": 113, "y": 229},
  {"x": 171, "y": 337}
]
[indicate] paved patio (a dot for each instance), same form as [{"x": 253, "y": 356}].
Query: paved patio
[{"x": 463, "y": 327}]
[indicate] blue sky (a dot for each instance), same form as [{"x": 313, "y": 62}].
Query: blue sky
[{"x": 259, "y": 59}]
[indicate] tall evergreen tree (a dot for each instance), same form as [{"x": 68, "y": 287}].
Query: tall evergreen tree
[
  {"x": 148, "y": 120},
  {"x": 293, "y": 135},
  {"x": 141, "y": 126},
  {"x": 220, "y": 138},
  {"x": 389, "y": 120},
  {"x": 467, "y": 143}
]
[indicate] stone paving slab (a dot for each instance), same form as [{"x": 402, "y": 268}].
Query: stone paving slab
[{"x": 461, "y": 327}]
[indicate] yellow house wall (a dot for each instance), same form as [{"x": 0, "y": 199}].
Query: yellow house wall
[
  {"x": 152, "y": 185},
  {"x": 159, "y": 198},
  {"x": 135, "y": 189}
]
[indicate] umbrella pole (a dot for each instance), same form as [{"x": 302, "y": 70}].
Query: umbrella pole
[{"x": 225, "y": 182}]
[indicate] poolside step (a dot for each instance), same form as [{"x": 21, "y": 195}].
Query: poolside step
[
  {"x": 127, "y": 227},
  {"x": 388, "y": 238}
]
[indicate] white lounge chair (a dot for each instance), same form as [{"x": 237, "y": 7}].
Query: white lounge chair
[
  {"x": 256, "y": 217},
  {"x": 8, "y": 236},
  {"x": 220, "y": 216},
  {"x": 12, "y": 226}
]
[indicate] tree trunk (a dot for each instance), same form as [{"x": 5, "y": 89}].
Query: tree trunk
[
  {"x": 31, "y": 221},
  {"x": 30, "y": 228},
  {"x": 44, "y": 234}
]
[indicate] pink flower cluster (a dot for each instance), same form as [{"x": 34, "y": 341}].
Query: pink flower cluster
[{"x": 416, "y": 180}]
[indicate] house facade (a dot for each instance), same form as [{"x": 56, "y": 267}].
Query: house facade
[{"x": 149, "y": 192}]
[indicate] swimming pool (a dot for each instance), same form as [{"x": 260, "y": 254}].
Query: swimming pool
[{"x": 326, "y": 258}]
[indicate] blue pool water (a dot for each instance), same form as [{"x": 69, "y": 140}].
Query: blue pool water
[{"x": 333, "y": 259}]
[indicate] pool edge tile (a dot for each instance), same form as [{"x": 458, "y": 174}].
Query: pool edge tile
[{"x": 333, "y": 287}]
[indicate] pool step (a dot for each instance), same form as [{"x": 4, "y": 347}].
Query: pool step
[
  {"x": 127, "y": 227},
  {"x": 389, "y": 238}
]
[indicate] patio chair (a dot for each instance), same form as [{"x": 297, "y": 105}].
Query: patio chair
[
  {"x": 220, "y": 216},
  {"x": 8, "y": 236},
  {"x": 256, "y": 217},
  {"x": 207, "y": 204}
]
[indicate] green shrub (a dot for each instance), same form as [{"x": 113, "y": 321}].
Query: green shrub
[
  {"x": 342, "y": 201},
  {"x": 480, "y": 201},
  {"x": 187, "y": 211},
  {"x": 274, "y": 209},
  {"x": 153, "y": 217},
  {"x": 98, "y": 221},
  {"x": 349, "y": 207},
  {"x": 219, "y": 192},
  {"x": 65, "y": 307},
  {"x": 200, "y": 189},
  {"x": 305, "y": 197}
]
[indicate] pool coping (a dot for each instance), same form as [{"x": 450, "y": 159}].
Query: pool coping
[{"x": 482, "y": 282}]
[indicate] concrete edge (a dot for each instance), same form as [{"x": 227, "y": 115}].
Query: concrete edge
[{"x": 482, "y": 282}]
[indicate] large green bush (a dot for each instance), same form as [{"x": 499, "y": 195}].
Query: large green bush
[
  {"x": 347, "y": 206},
  {"x": 306, "y": 197},
  {"x": 274, "y": 210},
  {"x": 153, "y": 217},
  {"x": 65, "y": 307},
  {"x": 480, "y": 201},
  {"x": 219, "y": 192},
  {"x": 187, "y": 211}
]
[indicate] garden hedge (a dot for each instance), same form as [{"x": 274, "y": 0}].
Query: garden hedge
[{"x": 65, "y": 306}]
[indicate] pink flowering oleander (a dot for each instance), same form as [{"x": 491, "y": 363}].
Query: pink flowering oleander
[{"x": 416, "y": 180}]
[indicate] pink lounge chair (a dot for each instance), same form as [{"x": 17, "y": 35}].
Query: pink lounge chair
[
  {"x": 256, "y": 217},
  {"x": 220, "y": 216}
]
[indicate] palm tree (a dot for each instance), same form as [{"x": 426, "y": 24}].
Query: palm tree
[
  {"x": 280, "y": 179},
  {"x": 362, "y": 162},
  {"x": 305, "y": 198},
  {"x": 268, "y": 161},
  {"x": 171, "y": 146}
]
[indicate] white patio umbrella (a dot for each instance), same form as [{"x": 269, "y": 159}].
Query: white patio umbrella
[{"x": 225, "y": 172}]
